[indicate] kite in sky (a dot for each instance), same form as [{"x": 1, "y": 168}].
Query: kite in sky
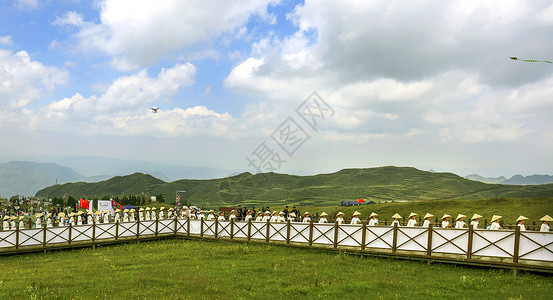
[{"x": 531, "y": 60}]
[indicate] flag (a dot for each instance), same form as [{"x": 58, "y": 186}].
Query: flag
[
  {"x": 84, "y": 203},
  {"x": 116, "y": 205},
  {"x": 180, "y": 198},
  {"x": 360, "y": 200}
]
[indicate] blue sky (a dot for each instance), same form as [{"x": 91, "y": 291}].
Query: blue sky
[{"x": 410, "y": 83}]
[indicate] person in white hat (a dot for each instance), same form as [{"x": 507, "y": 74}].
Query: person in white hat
[
  {"x": 147, "y": 216},
  {"x": 161, "y": 212},
  {"x": 373, "y": 220},
  {"x": 445, "y": 221},
  {"x": 355, "y": 219},
  {"x": 460, "y": 221},
  {"x": 49, "y": 220},
  {"x": 79, "y": 218},
  {"x": 97, "y": 216},
  {"x": 292, "y": 217},
  {"x": 12, "y": 222},
  {"x": 495, "y": 222},
  {"x": 210, "y": 216},
  {"x": 21, "y": 224},
  {"x": 340, "y": 218},
  {"x": 274, "y": 217},
  {"x": 427, "y": 220},
  {"x": 170, "y": 213},
  {"x": 132, "y": 212},
  {"x": 306, "y": 217},
  {"x": 105, "y": 217},
  {"x": 520, "y": 222},
  {"x": 396, "y": 218},
  {"x": 233, "y": 215},
  {"x": 126, "y": 215},
  {"x": 201, "y": 215},
  {"x": 266, "y": 216},
  {"x": 412, "y": 220},
  {"x": 117, "y": 216},
  {"x": 141, "y": 214},
  {"x": 221, "y": 216},
  {"x": 280, "y": 218},
  {"x": 474, "y": 221},
  {"x": 90, "y": 217},
  {"x": 72, "y": 218},
  {"x": 259, "y": 217},
  {"x": 323, "y": 219},
  {"x": 193, "y": 214},
  {"x": 38, "y": 221},
  {"x": 6, "y": 223},
  {"x": 61, "y": 219},
  {"x": 545, "y": 223}
]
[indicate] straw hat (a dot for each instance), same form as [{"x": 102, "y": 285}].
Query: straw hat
[
  {"x": 324, "y": 214},
  {"x": 396, "y": 216},
  {"x": 495, "y": 218},
  {"x": 48, "y": 215},
  {"x": 293, "y": 215},
  {"x": 281, "y": 213},
  {"x": 8, "y": 217},
  {"x": 259, "y": 213},
  {"x": 13, "y": 218},
  {"x": 275, "y": 212},
  {"x": 476, "y": 216},
  {"x": 267, "y": 212},
  {"x": 21, "y": 218},
  {"x": 106, "y": 211},
  {"x": 373, "y": 215},
  {"x": 61, "y": 215},
  {"x": 356, "y": 213},
  {"x": 459, "y": 216},
  {"x": 446, "y": 216},
  {"x": 428, "y": 215},
  {"x": 38, "y": 215},
  {"x": 211, "y": 211},
  {"x": 413, "y": 214},
  {"x": 117, "y": 210},
  {"x": 126, "y": 210},
  {"x": 141, "y": 209},
  {"x": 306, "y": 213},
  {"x": 521, "y": 218},
  {"x": 79, "y": 213},
  {"x": 162, "y": 208},
  {"x": 340, "y": 213},
  {"x": 153, "y": 208},
  {"x": 171, "y": 209},
  {"x": 132, "y": 210},
  {"x": 233, "y": 211},
  {"x": 72, "y": 214},
  {"x": 97, "y": 213},
  {"x": 546, "y": 218}
]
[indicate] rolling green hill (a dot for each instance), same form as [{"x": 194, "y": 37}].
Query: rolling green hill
[{"x": 376, "y": 184}]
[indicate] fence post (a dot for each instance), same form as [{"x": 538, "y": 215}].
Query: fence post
[
  {"x": 363, "y": 234},
  {"x": 44, "y": 236},
  {"x": 249, "y": 229},
  {"x": 116, "y": 230},
  {"x": 70, "y": 229},
  {"x": 175, "y": 219},
  {"x": 429, "y": 245},
  {"x": 517, "y": 244},
  {"x": 469, "y": 246},
  {"x": 157, "y": 224},
  {"x": 201, "y": 227},
  {"x": 216, "y": 227},
  {"x": 137, "y": 228},
  {"x": 335, "y": 243},
  {"x": 394, "y": 239},
  {"x": 267, "y": 232},
  {"x": 30, "y": 223},
  {"x": 231, "y": 228},
  {"x": 93, "y": 230},
  {"x": 17, "y": 237},
  {"x": 188, "y": 225},
  {"x": 288, "y": 232},
  {"x": 311, "y": 232}
]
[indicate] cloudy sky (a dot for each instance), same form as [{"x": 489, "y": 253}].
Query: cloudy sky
[{"x": 408, "y": 83}]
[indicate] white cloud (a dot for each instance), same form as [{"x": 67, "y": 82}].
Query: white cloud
[
  {"x": 70, "y": 18},
  {"x": 24, "y": 81},
  {"x": 6, "y": 40},
  {"x": 26, "y": 4},
  {"x": 139, "y": 33}
]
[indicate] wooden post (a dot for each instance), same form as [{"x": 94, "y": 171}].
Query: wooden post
[
  {"x": 43, "y": 235},
  {"x": 188, "y": 225},
  {"x": 363, "y": 235},
  {"x": 267, "y": 232},
  {"x": 394, "y": 239},
  {"x": 17, "y": 237},
  {"x": 93, "y": 229},
  {"x": 157, "y": 225},
  {"x": 517, "y": 244},
  {"x": 30, "y": 223},
  {"x": 176, "y": 220},
  {"x": 70, "y": 229},
  {"x": 116, "y": 230},
  {"x": 335, "y": 243},
  {"x": 469, "y": 246},
  {"x": 288, "y": 232},
  {"x": 429, "y": 245},
  {"x": 137, "y": 228},
  {"x": 216, "y": 227},
  {"x": 202, "y": 227},
  {"x": 249, "y": 229},
  {"x": 311, "y": 232},
  {"x": 231, "y": 228}
]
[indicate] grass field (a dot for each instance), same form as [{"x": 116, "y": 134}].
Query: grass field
[{"x": 195, "y": 269}]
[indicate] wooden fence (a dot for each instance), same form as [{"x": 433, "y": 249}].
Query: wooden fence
[{"x": 503, "y": 248}]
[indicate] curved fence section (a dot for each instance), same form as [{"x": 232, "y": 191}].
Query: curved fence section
[{"x": 501, "y": 247}]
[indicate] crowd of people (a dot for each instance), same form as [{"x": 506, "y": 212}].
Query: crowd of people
[{"x": 50, "y": 219}]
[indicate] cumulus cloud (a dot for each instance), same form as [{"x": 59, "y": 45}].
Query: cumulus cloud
[
  {"x": 24, "y": 81},
  {"x": 139, "y": 33},
  {"x": 6, "y": 40}
]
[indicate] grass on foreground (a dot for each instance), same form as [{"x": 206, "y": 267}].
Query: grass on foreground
[{"x": 196, "y": 269}]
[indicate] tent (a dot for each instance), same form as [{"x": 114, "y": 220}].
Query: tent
[{"x": 128, "y": 206}]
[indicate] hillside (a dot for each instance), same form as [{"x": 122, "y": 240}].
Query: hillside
[
  {"x": 516, "y": 179},
  {"x": 376, "y": 184}
]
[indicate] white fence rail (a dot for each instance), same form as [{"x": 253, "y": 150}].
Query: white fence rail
[{"x": 499, "y": 246}]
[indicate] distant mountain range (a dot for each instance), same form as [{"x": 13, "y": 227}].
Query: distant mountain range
[
  {"x": 373, "y": 184},
  {"x": 515, "y": 180}
]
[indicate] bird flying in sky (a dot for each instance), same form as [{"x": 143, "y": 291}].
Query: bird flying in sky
[{"x": 154, "y": 109}]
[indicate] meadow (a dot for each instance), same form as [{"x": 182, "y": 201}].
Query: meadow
[{"x": 201, "y": 269}]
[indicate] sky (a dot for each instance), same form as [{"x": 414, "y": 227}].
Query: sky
[{"x": 299, "y": 87}]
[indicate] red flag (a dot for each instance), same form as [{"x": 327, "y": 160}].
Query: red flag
[
  {"x": 360, "y": 200},
  {"x": 84, "y": 203}
]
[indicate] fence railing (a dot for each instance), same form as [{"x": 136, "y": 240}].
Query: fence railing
[{"x": 501, "y": 247}]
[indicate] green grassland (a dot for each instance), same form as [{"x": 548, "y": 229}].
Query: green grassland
[
  {"x": 196, "y": 269},
  {"x": 383, "y": 184}
]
